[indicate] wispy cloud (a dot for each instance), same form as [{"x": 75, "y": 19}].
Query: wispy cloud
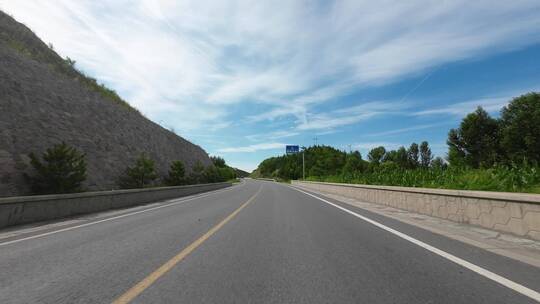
[
  {"x": 350, "y": 115},
  {"x": 253, "y": 148},
  {"x": 187, "y": 61},
  {"x": 375, "y": 144},
  {"x": 408, "y": 129},
  {"x": 272, "y": 135},
  {"x": 463, "y": 108}
]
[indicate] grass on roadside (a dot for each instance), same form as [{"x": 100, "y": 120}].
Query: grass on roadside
[{"x": 513, "y": 179}]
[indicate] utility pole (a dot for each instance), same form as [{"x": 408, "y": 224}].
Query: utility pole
[{"x": 316, "y": 140}]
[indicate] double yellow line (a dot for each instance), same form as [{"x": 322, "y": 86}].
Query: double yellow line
[{"x": 134, "y": 291}]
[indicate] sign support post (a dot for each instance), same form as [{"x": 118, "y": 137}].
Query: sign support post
[{"x": 303, "y": 166}]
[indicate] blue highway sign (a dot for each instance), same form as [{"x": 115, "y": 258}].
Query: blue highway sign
[{"x": 292, "y": 149}]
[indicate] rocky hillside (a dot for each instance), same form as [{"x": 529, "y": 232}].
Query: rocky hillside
[{"x": 45, "y": 101}]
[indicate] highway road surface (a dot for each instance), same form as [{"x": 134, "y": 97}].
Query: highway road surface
[{"x": 257, "y": 242}]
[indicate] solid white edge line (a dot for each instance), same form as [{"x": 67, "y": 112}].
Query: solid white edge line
[
  {"x": 479, "y": 270},
  {"x": 176, "y": 202}
]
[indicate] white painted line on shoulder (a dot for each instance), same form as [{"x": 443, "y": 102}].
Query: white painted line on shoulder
[
  {"x": 176, "y": 202},
  {"x": 479, "y": 270}
]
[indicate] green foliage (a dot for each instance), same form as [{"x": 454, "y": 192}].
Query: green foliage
[
  {"x": 318, "y": 159},
  {"x": 413, "y": 155},
  {"x": 425, "y": 154},
  {"x": 217, "y": 172},
  {"x": 484, "y": 153},
  {"x": 211, "y": 175},
  {"x": 197, "y": 173},
  {"x": 141, "y": 175},
  {"x": 376, "y": 154},
  {"x": 353, "y": 164},
  {"x": 520, "y": 129},
  {"x": 177, "y": 174},
  {"x": 226, "y": 173},
  {"x": 63, "y": 170},
  {"x": 475, "y": 142},
  {"x": 500, "y": 178},
  {"x": 438, "y": 163},
  {"x": 218, "y": 161}
]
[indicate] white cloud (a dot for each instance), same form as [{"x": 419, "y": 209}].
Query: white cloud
[
  {"x": 272, "y": 135},
  {"x": 350, "y": 115},
  {"x": 463, "y": 108},
  {"x": 408, "y": 129},
  {"x": 253, "y": 148},
  {"x": 244, "y": 165},
  {"x": 188, "y": 61},
  {"x": 371, "y": 145}
]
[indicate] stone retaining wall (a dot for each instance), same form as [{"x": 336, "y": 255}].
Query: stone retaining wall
[
  {"x": 516, "y": 213},
  {"x": 29, "y": 209}
]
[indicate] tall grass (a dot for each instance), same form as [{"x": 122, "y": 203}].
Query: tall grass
[{"x": 507, "y": 179}]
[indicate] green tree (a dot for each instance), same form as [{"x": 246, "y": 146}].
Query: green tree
[
  {"x": 353, "y": 165},
  {"x": 316, "y": 170},
  {"x": 63, "y": 170},
  {"x": 376, "y": 154},
  {"x": 211, "y": 174},
  {"x": 413, "y": 155},
  {"x": 177, "y": 174},
  {"x": 226, "y": 173},
  {"x": 402, "y": 158},
  {"x": 456, "y": 151},
  {"x": 476, "y": 140},
  {"x": 218, "y": 161},
  {"x": 425, "y": 154},
  {"x": 520, "y": 128},
  {"x": 438, "y": 163},
  {"x": 142, "y": 174},
  {"x": 390, "y": 156},
  {"x": 197, "y": 173}
]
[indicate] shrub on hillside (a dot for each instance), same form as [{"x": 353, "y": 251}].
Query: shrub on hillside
[
  {"x": 142, "y": 174},
  {"x": 177, "y": 174},
  {"x": 62, "y": 170},
  {"x": 197, "y": 173}
]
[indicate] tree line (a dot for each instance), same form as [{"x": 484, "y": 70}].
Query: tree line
[
  {"x": 62, "y": 169},
  {"x": 484, "y": 153}
]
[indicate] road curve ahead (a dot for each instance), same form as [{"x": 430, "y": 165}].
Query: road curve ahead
[{"x": 258, "y": 242}]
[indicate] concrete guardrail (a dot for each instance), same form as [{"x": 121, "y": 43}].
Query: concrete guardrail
[
  {"x": 517, "y": 213},
  {"x": 29, "y": 209}
]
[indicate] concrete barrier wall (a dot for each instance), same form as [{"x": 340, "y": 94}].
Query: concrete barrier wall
[
  {"x": 516, "y": 213},
  {"x": 28, "y": 209}
]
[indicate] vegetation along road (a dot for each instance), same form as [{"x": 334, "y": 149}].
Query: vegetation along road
[{"x": 257, "y": 242}]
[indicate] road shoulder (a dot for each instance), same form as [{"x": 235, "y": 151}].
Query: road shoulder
[{"x": 514, "y": 247}]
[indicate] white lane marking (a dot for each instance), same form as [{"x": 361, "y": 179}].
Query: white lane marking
[
  {"x": 481, "y": 271},
  {"x": 176, "y": 202}
]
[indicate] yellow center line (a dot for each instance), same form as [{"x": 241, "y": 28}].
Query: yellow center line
[{"x": 129, "y": 295}]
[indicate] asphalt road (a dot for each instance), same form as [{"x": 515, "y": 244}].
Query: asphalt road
[{"x": 258, "y": 242}]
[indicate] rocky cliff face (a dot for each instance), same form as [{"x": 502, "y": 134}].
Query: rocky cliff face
[{"x": 44, "y": 101}]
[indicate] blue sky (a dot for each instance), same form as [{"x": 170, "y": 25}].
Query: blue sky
[{"x": 244, "y": 78}]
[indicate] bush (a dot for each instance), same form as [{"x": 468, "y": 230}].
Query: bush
[
  {"x": 141, "y": 175},
  {"x": 63, "y": 170},
  {"x": 197, "y": 173},
  {"x": 211, "y": 174},
  {"x": 176, "y": 175}
]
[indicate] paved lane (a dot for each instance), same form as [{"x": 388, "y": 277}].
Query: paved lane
[
  {"x": 284, "y": 246},
  {"x": 95, "y": 264}
]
